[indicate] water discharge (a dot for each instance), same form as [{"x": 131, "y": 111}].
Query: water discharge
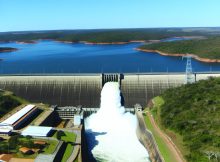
[{"x": 111, "y": 132}]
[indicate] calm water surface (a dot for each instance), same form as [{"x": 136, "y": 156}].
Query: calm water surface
[{"x": 56, "y": 57}]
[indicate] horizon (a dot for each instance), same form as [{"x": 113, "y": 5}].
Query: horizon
[
  {"x": 86, "y": 15},
  {"x": 45, "y": 30}
]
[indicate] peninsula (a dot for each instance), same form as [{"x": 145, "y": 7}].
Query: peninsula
[{"x": 205, "y": 50}]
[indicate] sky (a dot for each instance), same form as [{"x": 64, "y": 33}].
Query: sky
[{"x": 23, "y": 15}]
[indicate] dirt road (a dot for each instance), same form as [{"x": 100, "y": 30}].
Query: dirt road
[{"x": 172, "y": 147}]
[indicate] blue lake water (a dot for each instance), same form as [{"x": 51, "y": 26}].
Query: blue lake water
[{"x": 56, "y": 57}]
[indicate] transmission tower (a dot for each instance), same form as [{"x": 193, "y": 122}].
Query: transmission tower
[{"x": 189, "y": 78}]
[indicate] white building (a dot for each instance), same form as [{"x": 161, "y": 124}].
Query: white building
[
  {"x": 36, "y": 131},
  {"x": 17, "y": 119}
]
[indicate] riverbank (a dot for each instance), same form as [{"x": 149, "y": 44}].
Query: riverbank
[{"x": 206, "y": 60}]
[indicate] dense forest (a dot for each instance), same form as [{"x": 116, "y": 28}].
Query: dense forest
[
  {"x": 107, "y": 35},
  {"x": 193, "y": 111},
  {"x": 8, "y": 101},
  {"x": 204, "y": 48}
]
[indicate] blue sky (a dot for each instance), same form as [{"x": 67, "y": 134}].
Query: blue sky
[{"x": 21, "y": 15}]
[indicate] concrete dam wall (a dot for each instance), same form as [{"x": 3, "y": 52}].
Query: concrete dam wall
[{"x": 85, "y": 89}]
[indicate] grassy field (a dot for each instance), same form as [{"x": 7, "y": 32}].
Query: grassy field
[
  {"x": 66, "y": 136},
  {"x": 21, "y": 155},
  {"x": 167, "y": 155},
  {"x": 20, "y": 141},
  {"x": 68, "y": 152},
  {"x": 69, "y": 138},
  {"x": 204, "y": 48},
  {"x": 50, "y": 148}
]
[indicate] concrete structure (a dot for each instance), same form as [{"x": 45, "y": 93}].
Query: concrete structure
[
  {"x": 147, "y": 139},
  {"x": 85, "y": 89},
  {"x": 43, "y": 157},
  {"x": 19, "y": 117},
  {"x": 5, "y": 131},
  {"x": 77, "y": 120},
  {"x": 36, "y": 131},
  {"x": 67, "y": 112}
]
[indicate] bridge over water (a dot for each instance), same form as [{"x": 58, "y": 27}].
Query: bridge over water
[{"x": 84, "y": 89}]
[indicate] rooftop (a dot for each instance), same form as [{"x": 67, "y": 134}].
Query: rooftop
[
  {"x": 15, "y": 117},
  {"x": 36, "y": 131}
]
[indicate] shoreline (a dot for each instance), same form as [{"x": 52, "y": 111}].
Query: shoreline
[
  {"x": 206, "y": 60},
  {"x": 103, "y": 43},
  {"x": 26, "y": 42}
]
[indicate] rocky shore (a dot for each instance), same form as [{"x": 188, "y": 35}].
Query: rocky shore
[{"x": 206, "y": 60}]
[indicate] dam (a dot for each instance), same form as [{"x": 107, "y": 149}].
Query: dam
[{"x": 84, "y": 89}]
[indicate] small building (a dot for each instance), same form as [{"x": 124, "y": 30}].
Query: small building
[
  {"x": 36, "y": 131},
  {"x": 40, "y": 142},
  {"x": 5, "y": 157},
  {"x": 26, "y": 150}
]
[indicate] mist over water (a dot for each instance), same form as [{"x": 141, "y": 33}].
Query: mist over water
[{"x": 111, "y": 132}]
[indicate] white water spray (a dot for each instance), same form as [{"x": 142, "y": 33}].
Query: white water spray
[{"x": 117, "y": 141}]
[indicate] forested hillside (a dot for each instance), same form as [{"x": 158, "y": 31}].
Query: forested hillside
[
  {"x": 205, "y": 48},
  {"x": 193, "y": 111},
  {"x": 107, "y": 35},
  {"x": 8, "y": 101}
]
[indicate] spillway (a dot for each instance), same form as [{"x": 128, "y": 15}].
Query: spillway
[
  {"x": 111, "y": 132},
  {"x": 85, "y": 89}
]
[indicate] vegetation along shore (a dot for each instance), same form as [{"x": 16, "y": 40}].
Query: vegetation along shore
[{"x": 205, "y": 50}]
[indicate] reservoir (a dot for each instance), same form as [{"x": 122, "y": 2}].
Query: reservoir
[{"x": 48, "y": 56}]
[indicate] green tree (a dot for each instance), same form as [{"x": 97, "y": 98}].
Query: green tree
[{"x": 13, "y": 142}]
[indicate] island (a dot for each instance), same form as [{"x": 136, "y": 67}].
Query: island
[
  {"x": 205, "y": 50},
  {"x": 7, "y": 49}
]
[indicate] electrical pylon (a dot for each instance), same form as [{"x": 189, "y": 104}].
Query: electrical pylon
[{"x": 189, "y": 78}]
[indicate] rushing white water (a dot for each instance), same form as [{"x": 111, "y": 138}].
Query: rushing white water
[{"x": 114, "y": 130}]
